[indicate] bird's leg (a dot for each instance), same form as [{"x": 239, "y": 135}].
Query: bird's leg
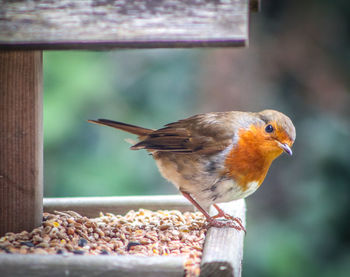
[
  {"x": 212, "y": 220},
  {"x": 221, "y": 213},
  {"x": 194, "y": 202}
]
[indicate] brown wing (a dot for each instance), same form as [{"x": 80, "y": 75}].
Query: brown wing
[{"x": 204, "y": 133}]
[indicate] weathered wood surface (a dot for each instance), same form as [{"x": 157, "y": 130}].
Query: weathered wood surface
[
  {"x": 34, "y": 265},
  {"x": 92, "y": 206},
  {"x": 69, "y": 24},
  {"x": 223, "y": 247},
  {"x": 21, "y": 140}
]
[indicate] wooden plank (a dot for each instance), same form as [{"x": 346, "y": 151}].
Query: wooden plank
[
  {"x": 92, "y": 206},
  {"x": 223, "y": 247},
  {"x": 21, "y": 140},
  {"x": 69, "y": 24},
  {"x": 34, "y": 265}
]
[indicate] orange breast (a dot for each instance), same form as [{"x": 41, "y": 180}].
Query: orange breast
[{"x": 250, "y": 159}]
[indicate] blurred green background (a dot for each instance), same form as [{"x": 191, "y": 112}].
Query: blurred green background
[{"x": 298, "y": 62}]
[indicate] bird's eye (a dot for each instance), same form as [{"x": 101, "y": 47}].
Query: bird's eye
[{"x": 269, "y": 129}]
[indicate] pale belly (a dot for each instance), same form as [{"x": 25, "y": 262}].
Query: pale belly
[
  {"x": 206, "y": 187},
  {"x": 228, "y": 190},
  {"x": 224, "y": 191}
]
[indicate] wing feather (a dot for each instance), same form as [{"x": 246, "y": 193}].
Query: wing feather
[{"x": 197, "y": 134}]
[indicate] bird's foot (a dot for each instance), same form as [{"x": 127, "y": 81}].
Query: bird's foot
[
  {"x": 225, "y": 223},
  {"x": 231, "y": 220}
]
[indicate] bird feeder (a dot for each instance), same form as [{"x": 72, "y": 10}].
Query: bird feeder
[{"x": 27, "y": 28}]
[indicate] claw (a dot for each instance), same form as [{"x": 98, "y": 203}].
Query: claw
[
  {"x": 231, "y": 218},
  {"x": 212, "y": 219},
  {"x": 220, "y": 224}
]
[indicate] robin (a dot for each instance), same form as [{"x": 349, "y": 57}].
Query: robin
[{"x": 216, "y": 157}]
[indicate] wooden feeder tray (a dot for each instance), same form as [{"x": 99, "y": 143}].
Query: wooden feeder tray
[{"x": 222, "y": 252}]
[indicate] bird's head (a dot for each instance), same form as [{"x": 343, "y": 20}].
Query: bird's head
[
  {"x": 260, "y": 142},
  {"x": 277, "y": 131}
]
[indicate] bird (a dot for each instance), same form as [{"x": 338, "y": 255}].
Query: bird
[{"x": 215, "y": 157}]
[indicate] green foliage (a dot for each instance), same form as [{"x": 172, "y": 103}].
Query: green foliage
[{"x": 149, "y": 88}]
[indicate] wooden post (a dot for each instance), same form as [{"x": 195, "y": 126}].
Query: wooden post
[
  {"x": 223, "y": 247},
  {"x": 21, "y": 140}
]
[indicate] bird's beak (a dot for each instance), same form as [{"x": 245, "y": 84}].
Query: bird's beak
[{"x": 286, "y": 148}]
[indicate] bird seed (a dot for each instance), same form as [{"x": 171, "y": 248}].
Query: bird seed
[{"x": 140, "y": 233}]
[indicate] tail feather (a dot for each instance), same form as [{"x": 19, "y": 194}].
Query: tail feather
[{"x": 136, "y": 130}]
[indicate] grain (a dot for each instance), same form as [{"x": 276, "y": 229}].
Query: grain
[{"x": 140, "y": 233}]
